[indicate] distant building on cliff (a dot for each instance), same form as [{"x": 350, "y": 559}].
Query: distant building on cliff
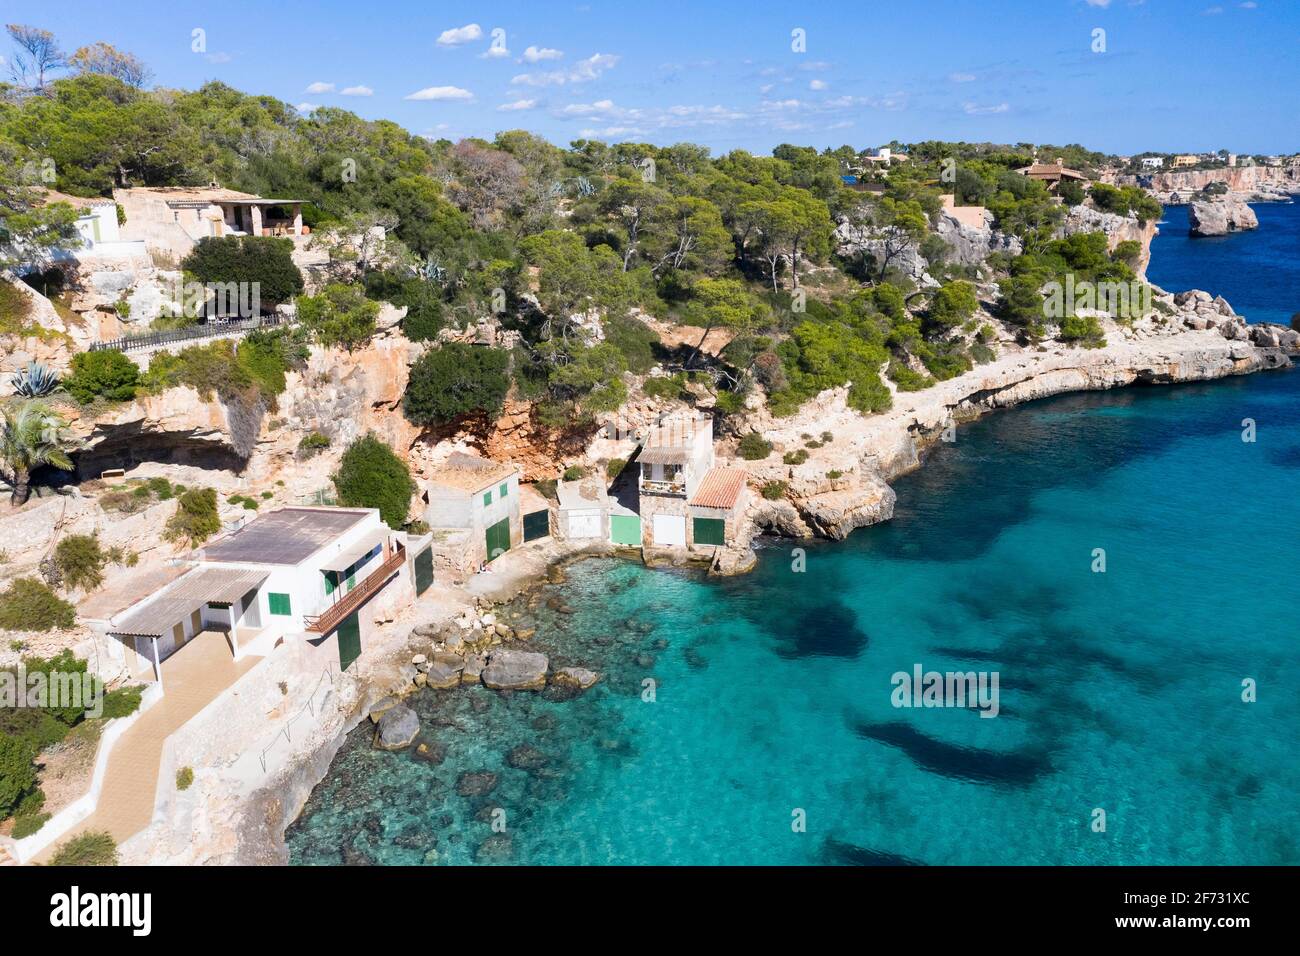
[
  {"x": 1185, "y": 160},
  {"x": 1052, "y": 175},
  {"x": 1153, "y": 162}
]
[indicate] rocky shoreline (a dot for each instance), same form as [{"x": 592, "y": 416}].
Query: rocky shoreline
[{"x": 462, "y": 640}]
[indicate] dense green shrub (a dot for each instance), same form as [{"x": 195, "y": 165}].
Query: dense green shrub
[
  {"x": 456, "y": 380},
  {"x": 340, "y": 315},
  {"x": 633, "y": 338},
  {"x": 370, "y": 475},
  {"x": 1085, "y": 330},
  {"x": 311, "y": 443},
  {"x": 266, "y": 261},
  {"x": 574, "y": 473},
  {"x": 102, "y": 374},
  {"x": 29, "y": 605},
  {"x": 754, "y": 447},
  {"x": 17, "y": 772},
  {"x": 615, "y": 467},
  {"x": 81, "y": 561},
  {"x": 184, "y": 778},
  {"x": 795, "y": 457},
  {"x": 95, "y": 848},
  {"x": 28, "y": 823},
  {"x": 122, "y": 702},
  {"x": 195, "y": 518},
  {"x": 666, "y": 386},
  {"x": 773, "y": 490}
]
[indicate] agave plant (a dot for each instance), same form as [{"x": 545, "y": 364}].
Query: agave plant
[
  {"x": 34, "y": 381},
  {"x": 31, "y": 434}
]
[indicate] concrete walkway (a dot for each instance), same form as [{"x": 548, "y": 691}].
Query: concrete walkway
[{"x": 192, "y": 678}]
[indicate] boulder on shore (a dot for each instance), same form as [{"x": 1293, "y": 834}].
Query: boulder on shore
[
  {"x": 397, "y": 728},
  {"x": 515, "y": 670},
  {"x": 575, "y": 676},
  {"x": 444, "y": 670},
  {"x": 1220, "y": 217}
]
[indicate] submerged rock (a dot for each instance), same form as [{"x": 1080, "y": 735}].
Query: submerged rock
[
  {"x": 397, "y": 728},
  {"x": 498, "y": 848},
  {"x": 515, "y": 670},
  {"x": 430, "y": 751},
  {"x": 476, "y": 783},
  {"x": 527, "y": 757}
]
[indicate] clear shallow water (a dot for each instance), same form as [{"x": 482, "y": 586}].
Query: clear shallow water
[
  {"x": 1258, "y": 272},
  {"x": 1118, "y": 690}
]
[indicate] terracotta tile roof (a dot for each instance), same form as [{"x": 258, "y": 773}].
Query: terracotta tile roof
[{"x": 720, "y": 488}]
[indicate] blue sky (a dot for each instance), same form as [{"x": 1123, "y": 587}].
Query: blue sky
[{"x": 1175, "y": 74}]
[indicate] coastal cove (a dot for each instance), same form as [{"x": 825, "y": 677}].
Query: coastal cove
[
  {"x": 1118, "y": 690},
  {"x": 1258, "y": 272}
]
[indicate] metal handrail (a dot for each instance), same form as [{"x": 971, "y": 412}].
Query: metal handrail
[
  {"x": 309, "y": 706},
  {"x": 147, "y": 340},
  {"x": 328, "y": 619}
]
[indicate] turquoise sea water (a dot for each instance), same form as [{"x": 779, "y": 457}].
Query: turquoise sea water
[
  {"x": 1119, "y": 690},
  {"x": 1258, "y": 272}
]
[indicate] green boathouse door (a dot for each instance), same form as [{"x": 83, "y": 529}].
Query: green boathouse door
[
  {"x": 537, "y": 524},
  {"x": 349, "y": 632},
  {"x": 423, "y": 570},
  {"x": 498, "y": 538},
  {"x": 710, "y": 531},
  {"x": 625, "y": 529}
]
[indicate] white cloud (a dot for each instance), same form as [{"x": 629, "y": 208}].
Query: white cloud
[
  {"x": 961, "y": 77},
  {"x": 1212, "y": 11},
  {"x": 220, "y": 57},
  {"x": 581, "y": 72},
  {"x": 818, "y": 85},
  {"x": 585, "y": 109},
  {"x": 319, "y": 87},
  {"x": 307, "y": 107},
  {"x": 766, "y": 88},
  {"x": 459, "y": 35},
  {"x": 517, "y": 105},
  {"x": 494, "y": 53},
  {"x": 974, "y": 109},
  {"x": 1248, "y": 5},
  {"x": 1099, "y": 3},
  {"x": 535, "y": 54},
  {"x": 357, "y": 91},
  {"x": 441, "y": 93}
]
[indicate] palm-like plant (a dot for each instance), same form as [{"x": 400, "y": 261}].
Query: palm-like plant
[
  {"x": 32, "y": 435},
  {"x": 34, "y": 381}
]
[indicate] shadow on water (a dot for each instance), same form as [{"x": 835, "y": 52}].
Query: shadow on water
[
  {"x": 838, "y": 853},
  {"x": 972, "y": 764}
]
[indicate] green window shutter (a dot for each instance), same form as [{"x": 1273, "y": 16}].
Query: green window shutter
[
  {"x": 279, "y": 603},
  {"x": 505, "y": 490},
  {"x": 330, "y": 583},
  {"x": 487, "y": 498}
]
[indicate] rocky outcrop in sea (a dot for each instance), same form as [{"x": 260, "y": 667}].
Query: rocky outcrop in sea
[{"x": 1219, "y": 217}]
